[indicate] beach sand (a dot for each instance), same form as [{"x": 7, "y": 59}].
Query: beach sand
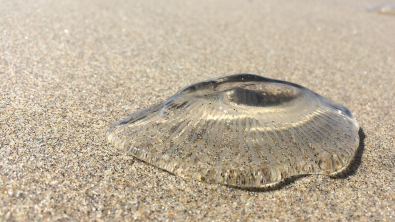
[{"x": 69, "y": 69}]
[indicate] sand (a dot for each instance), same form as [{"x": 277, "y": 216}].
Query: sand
[{"x": 69, "y": 69}]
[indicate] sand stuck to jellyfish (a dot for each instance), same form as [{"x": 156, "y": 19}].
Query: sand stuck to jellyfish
[{"x": 241, "y": 130}]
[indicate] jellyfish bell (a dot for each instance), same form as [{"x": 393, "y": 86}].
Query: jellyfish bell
[{"x": 241, "y": 130}]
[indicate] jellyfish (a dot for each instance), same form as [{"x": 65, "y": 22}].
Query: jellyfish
[{"x": 241, "y": 130}]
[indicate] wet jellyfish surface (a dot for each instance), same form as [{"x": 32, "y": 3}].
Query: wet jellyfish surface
[{"x": 241, "y": 130}]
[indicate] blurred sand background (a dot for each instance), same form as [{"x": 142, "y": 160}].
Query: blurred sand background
[{"x": 69, "y": 69}]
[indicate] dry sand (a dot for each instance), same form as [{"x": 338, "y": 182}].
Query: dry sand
[{"x": 69, "y": 69}]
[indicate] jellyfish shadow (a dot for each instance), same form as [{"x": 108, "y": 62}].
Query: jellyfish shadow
[
  {"x": 350, "y": 170},
  {"x": 356, "y": 162}
]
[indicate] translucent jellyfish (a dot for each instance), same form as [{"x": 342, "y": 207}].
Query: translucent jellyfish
[{"x": 241, "y": 130}]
